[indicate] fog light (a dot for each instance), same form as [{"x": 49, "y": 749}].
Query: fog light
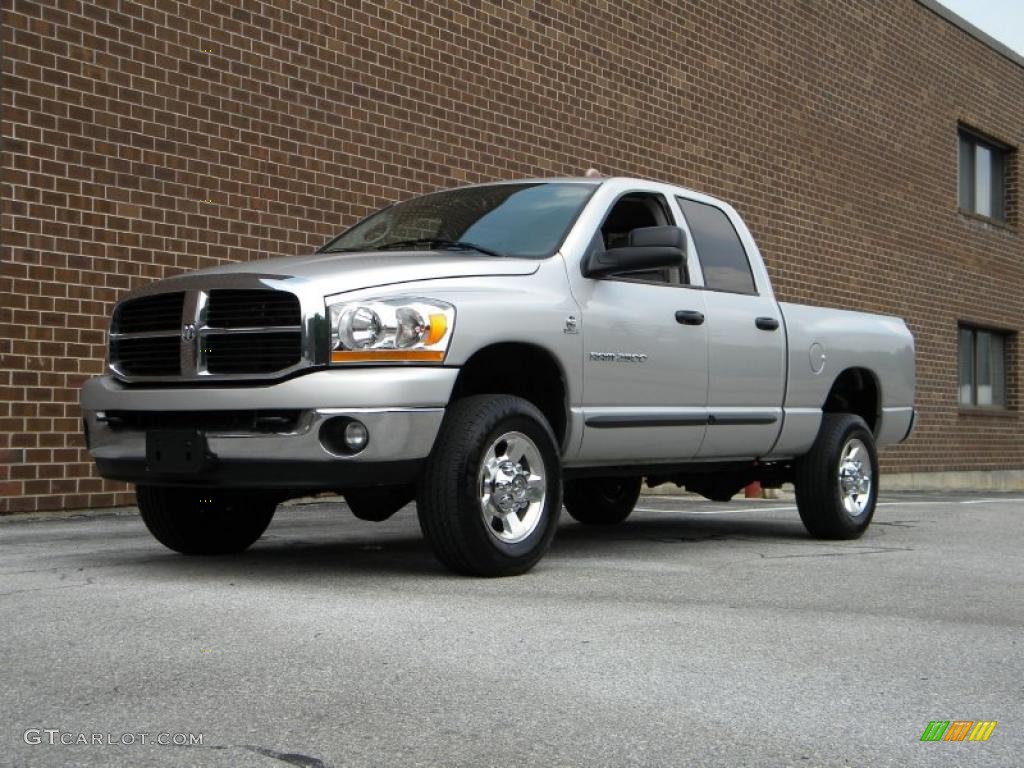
[
  {"x": 344, "y": 436},
  {"x": 356, "y": 436}
]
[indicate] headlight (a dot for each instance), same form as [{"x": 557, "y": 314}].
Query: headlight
[{"x": 392, "y": 330}]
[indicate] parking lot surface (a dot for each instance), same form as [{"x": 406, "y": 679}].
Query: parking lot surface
[{"x": 695, "y": 634}]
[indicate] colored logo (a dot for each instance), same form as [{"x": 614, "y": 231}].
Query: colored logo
[{"x": 958, "y": 730}]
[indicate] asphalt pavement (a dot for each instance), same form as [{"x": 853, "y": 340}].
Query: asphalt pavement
[{"x": 695, "y": 634}]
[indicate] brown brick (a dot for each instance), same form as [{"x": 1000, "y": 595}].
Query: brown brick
[
  {"x": 11, "y": 456},
  {"x": 833, "y": 133}
]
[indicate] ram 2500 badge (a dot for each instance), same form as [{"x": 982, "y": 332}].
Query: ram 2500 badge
[{"x": 493, "y": 351}]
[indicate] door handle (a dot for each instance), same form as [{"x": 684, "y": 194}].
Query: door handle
[
  {"x": 767, "y": 323},
  {"x": 689, "y": 317}
]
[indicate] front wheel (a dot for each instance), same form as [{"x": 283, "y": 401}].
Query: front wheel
[
  {"x": 837, "y": 480},
  {"x": 197, "y": 521},
  {"x": 602, "y": 500},
  {"x": 490, "y": 494}
]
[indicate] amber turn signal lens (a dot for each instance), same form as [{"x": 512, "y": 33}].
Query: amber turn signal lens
[
  {"x": 388, "y": 356},
  {"x": 438, "y": 328}
]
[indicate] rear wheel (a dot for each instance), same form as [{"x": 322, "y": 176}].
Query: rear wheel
[
  {"x": 837, "y": 480},
  {"x": 204, "y": 522},
  {"x": 490, "y": 494},
  {"x": 602, "y": 500}
]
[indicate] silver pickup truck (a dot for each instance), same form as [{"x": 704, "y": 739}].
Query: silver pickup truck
[{"x": 493, "y": 352}]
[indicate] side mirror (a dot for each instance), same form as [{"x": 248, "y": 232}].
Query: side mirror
[{"x": 646, "y": 248}]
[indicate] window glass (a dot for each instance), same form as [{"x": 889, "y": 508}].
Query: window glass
[
  {"x": 719, "y": 249},
  {"x": 983, "y": 180},
  {"x": 982, "y": 176},
  {"x": 966, "y": 359},
  {"x": 636, "y": 211},
  {"x": 983, "y": 366},
  {"x": 981, "y": 362},
  {"x": 525, "y": 220}
]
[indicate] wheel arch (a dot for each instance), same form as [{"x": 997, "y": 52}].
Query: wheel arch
[
  {"x": 856, "y": 390},
  {"x": 522, "y": 369}
]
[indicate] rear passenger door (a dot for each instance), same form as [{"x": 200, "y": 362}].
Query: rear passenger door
[{"x": 746, "y": 338}]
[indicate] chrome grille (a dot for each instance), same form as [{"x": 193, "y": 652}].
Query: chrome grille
[
  {"x": 250, "y": 309},
  {"x": 150, "y": 313},
  {"x": 202, "y": 335},
  {"x": 264, "y": 352},
  {"x": 147, "y": 356}
]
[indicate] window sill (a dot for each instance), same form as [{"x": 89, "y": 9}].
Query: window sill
[
  {"x": 988, "y": 412},
  {"x": 996, "y": 223}
]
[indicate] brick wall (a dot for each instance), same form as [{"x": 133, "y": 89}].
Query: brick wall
[{"x": 141, "y": 139}]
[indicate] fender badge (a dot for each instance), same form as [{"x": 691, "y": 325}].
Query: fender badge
[{"x": 618, "y": 357}]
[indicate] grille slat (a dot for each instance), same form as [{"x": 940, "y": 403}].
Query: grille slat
[
  {"x": 157, "y": 356},
  {"x": 252, "y": 352},
  {"x": 252, "y": 308},
  {"x": 149, "y": 313}
]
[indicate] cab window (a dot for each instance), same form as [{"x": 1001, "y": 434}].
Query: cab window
[
  {"x": 634, "y": 211},
  {"x": 721, "y": 254}
]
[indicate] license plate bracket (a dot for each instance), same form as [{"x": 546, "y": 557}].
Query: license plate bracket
[{"x": 177, "y": 451}]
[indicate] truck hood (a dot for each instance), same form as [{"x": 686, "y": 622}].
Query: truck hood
[{"x": 342, "y": 272}]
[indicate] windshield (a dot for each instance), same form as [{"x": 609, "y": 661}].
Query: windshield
[{"x": 523, "y": 220}]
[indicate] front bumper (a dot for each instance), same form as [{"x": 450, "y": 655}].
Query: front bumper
[{"x": 402, "y": 409}]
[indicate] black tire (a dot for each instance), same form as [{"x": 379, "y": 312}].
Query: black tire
[
  {"x": 448, "y": 501},
  {"x": 378, "y": 504},
  {"x": 602, "y": 500},
  {"x": 196, "y": 521},
  {"x": 819, "y": 491}
]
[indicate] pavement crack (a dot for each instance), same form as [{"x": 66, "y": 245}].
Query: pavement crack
[
  {"x": 44, "y": 589},
  {"x": 292, "y": 758},
  {"x": 843, "y": 553},
  {"x": 695, "y": 539}
]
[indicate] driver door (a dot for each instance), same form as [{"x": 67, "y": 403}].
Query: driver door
[{"x": 645, "y": 347}]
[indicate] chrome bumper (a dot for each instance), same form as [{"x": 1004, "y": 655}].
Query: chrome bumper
[{"x": 402, "y": 409}]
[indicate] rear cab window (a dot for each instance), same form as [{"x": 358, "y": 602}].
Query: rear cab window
[{"x": 719, "y": 250}]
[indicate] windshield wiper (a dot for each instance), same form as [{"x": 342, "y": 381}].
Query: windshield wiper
[{"x": 437, "y": 242}]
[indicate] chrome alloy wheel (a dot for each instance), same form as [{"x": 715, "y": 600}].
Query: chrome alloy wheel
[
  {"x": 855, "y": 477},
  {"x": 512, "y": 487}
]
